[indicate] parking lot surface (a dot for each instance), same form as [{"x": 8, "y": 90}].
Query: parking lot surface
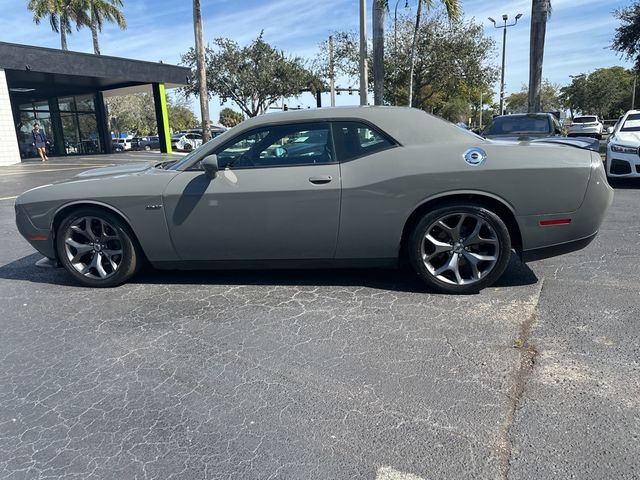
[{"x": 320, "y": 374}]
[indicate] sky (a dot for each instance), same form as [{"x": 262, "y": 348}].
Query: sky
[{"x": 578, "y": 33}]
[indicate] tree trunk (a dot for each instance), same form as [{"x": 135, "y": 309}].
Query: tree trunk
[
  {"x": 94, "y": 34},
  {"x": 202, "y": 70},
  {"x": 413, "y": 51},
  {"x": 539, "y": 15},
  {"x": 378, "y": 51},
  {"x": 63, "y": 38}
]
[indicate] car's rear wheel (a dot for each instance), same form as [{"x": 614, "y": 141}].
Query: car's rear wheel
[
  {"x": 147, "y": 147},
  {"x": 97, "y": 248},
  {"x": 187, "y": 147},
  {"x": 460, "y": 249}
]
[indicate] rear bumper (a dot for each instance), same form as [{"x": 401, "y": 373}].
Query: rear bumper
[
  {"x": 540, "y": 241},
  {"x": 555, "y": 250}
]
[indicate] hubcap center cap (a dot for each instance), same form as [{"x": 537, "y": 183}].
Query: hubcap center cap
[
  {"x": 97, "y": 247},
  {"x": 458, "y": 247}
]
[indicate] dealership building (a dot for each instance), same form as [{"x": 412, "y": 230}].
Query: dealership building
[{"x": 64, "y": 92}]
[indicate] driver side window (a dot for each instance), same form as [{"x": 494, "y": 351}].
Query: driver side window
[{"x": 279, "y": 145}]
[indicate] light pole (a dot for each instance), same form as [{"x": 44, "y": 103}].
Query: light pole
[
  {"x": 504, "y": 48},
  {"x": 395, "y": 25}
]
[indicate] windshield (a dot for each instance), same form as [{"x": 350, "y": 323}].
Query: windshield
[
  {"x": 516, "y": 124},
  {"x": 585, "y": 120},
  {"x": 631, "y": 123}
]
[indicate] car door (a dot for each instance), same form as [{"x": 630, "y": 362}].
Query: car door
[{"x": 274, "y": 198}]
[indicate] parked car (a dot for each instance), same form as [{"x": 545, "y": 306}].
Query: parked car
[
  {"x": 523, "y": 126},
  {"x": 387, "y": 184},
  {"x": 586, "y": 126},
  {"x": 121, "y": 144},
  {"x": 145, "y": 143},
  {"x": 186, "y": 141},
  {"x": 533, "y": 127},
  {"x": 623, "y": 152}
]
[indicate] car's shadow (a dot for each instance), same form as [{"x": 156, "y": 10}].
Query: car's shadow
[
  {"x": 625, "y": 183},
  {"x": 400, "y": 280}
]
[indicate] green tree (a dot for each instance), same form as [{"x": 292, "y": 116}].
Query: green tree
[
  {"x": 551, "y": 99},
  {"x": 540, "y": 12},
  {"x": 62, "y": 14},
  {"x": 230, "y": 118},
  {"x": 132, "y": 113},
  {"x": 101, "y": 11},
  {"x": 605, "y": 92},
  {"x": 627, "y": 37},
  {"x": 453, "y": 12},
  {"x": 254, "y": 77},
  {"x": 452, "y": 61},
  {"x": 181, "y": 117}
]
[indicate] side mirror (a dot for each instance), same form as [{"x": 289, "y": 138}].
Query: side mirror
[
  {"x": 610, "y": 130},
  {"x": 210, "y": 166}
]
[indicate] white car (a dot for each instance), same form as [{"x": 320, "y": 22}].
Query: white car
[
  {"x": 623, "y": 159},
  {"x": 186, "y": 141},
  {"x": 586, "y": 126},
  {"x": 121, "y": 144}
]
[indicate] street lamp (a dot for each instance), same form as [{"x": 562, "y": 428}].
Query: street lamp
[{"x": 504, "y": 46}]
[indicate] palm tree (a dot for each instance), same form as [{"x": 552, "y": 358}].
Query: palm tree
[
  {"x": 61, "y": 13},
  {"x": 202, "y": 70},
  {"x": 101, "y": 11},
  {"x": 379, "y": 7},
  {"x": 540, "y": 12},
  {"x": 453, "y": 12}
]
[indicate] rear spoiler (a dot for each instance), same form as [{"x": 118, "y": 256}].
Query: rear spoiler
[{"x": 586, "y": 143}]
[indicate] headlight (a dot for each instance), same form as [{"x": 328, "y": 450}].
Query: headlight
[{"x": 623, "y": 149}]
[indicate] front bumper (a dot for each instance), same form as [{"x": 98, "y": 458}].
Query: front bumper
[{"x": 622, "y": 164}]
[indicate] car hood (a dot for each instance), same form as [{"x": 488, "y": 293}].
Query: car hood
[
  {"x": 115, "y": 170},
  {"x": 627, "y": 138}
]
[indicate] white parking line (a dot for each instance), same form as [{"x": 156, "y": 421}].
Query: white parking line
[{"x": 8, "y": 198}]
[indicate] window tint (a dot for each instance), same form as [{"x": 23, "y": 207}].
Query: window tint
[
  {"x": 281, "y": 145},
  {"x": 585, "y": 120},
  {"x": 354, "y": 139},
  {"x": 513, "y": 124}
]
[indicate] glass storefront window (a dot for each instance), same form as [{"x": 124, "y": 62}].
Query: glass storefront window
[
  {"x": 77, "y": 122},
  {"x": 85, "y": 104},
  {"x": 67, "y": 104}
]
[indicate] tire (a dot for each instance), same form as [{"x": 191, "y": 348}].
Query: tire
[
  {"x": 147, "y": 148},
  {"x": 467, "y": 249},
  {"x": 97, "y": 248},
  {"x": 187, "y": 147}
]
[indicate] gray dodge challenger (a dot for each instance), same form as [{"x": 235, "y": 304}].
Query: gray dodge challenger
[{"x": 356, "y": 186}]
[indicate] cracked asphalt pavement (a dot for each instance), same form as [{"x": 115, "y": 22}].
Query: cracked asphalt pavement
[{"x": 354, "y": 374}]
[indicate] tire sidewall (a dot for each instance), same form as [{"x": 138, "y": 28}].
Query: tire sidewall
[
  {"x": 417, "y": 237},
  {"x": 130, "y": 260}
]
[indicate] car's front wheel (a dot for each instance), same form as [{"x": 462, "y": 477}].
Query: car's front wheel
[
  {"x": 460, "y": 249},
  {"x": 96, "y": 248}
]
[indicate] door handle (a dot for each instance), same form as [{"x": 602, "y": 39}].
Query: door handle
[{"x": 320, "y": 179}]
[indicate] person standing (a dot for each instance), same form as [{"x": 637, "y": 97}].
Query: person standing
[{"x": 40, "y": 142}]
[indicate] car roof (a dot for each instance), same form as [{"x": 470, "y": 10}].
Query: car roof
[{"x": 404, "y": 124}]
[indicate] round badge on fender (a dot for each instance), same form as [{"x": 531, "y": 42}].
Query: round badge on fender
[{"x": 475, "y": 156}]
